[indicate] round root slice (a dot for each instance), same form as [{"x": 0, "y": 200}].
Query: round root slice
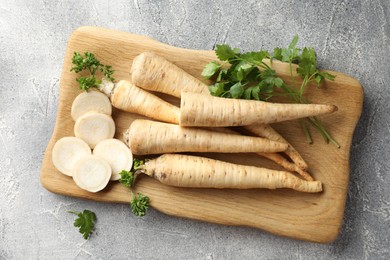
[
  {"x": 92, "y": 173},
  {"x": 117, "y": 154},
  {"x": 67, "y": 151},
  {"x": 94, "y": 127},
  {"x": 90, "y": 101}
]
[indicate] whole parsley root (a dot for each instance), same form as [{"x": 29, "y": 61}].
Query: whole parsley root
[
  {"x": 199, "y": 172},
  {"x": 218, "y": 112},
  {"x": 151, "y": 137}
]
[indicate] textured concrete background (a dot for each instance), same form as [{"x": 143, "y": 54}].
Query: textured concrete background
[{"x": 349, "y": 36}]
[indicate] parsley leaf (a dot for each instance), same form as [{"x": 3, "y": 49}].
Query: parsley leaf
[
  {"x": 107, "y": 72},
  {"x": 91, "y": 64},
  {"x": 255, "y": 58},
  {"x": 139, "y": 203},
  {"x": 127, "y": 178},
  {"x": 224, "y": 52},
  {"x": 210, "y": 69},
  {"x": 217, "y": 89},
  {"x": 237, "y": 90},
  {"x": 85, "y": 222},
  {"x": 307, "y": 65}
]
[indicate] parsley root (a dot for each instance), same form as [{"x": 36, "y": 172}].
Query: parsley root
[
  {"x": 267, "y": 131},
  {"x": 128, "y": 97},
  {"x": 199, "y": 172},
  {"x": 94, "y": 127},
  {"x": 201, "y": 110},
  {"x": 117, "y": 154},
  {"x": 152, "y": 72},
  {"x": 67, "y": 151},
  {"x": 90, "y": 101},
  {"x": 91, "y": 173},
  {"x": 150, "y": 137}
]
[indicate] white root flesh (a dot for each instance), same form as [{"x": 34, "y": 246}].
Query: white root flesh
[
  {"x": 92, "y": 173},
  {"x": 67, "y": 151},
  {"x": 117, "y": 154},
  {"x": 90, "y": 101},
  {"x": 94, "y": 127}
]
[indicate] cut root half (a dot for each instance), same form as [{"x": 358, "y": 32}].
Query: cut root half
[
  {"x": 94, "y": 127},
  {"x": 90, "y": 101},
  {"x": 67, "y": 151},
  {"x": 117, "y": 154},
  {"x": 92, "y": 173}
]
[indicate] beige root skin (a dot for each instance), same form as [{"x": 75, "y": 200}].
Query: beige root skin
[
  {"x": 150, "y": 137},
  {"x": 198, "y": 172},
  {"x": 152, "y": 72},
  {"x": 280, "y": 160},
  {"x": 275, "y": 157},
  {"x": 201, "y": 110},
  {"x": 267, "y": 131},
  {"x": 130, "y": 98}
]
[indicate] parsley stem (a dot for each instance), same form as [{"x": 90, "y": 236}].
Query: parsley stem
[
  {"x": 326, "y": 133},
  {"x": 291, "y": 74},
  {"x": 319, "y": 128},
  {"x": 73, "y": 212},
  {"x": 306, "y": 131}
]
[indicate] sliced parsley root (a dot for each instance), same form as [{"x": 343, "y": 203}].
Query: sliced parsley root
[
  {"x": 139, "y": 203},
  {"x": 248, "y": 76},
  {"x": 67, "y": 151},
  {"x": 90, "y": 101},
  {"x": 117, "y": 154},
  {"x": 94, "y": 127},
  {"x": 92, "y": 173}
]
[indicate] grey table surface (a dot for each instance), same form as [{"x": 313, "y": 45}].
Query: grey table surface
[{"x": 349, "y": 36}]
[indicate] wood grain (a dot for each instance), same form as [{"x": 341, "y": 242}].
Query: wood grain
[{"x": 311, "y": 217}]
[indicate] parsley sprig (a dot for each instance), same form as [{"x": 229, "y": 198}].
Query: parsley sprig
[
  {"x": 248, "y": 76},
  {"x": 139, "y": 203},
  {"x": 85, "y": 222},
  {"x": 92, "y": 65}
]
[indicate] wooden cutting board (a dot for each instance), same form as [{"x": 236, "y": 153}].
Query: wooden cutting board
[{"x": 311, "y": 217}]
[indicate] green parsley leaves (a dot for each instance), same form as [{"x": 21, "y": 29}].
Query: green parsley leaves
[
  {"x": 250, "y": 75},
  {"x": 85, "y": 222},
  {"x": 92, "y": 65},
  {"x": 139, "y": 203}
]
